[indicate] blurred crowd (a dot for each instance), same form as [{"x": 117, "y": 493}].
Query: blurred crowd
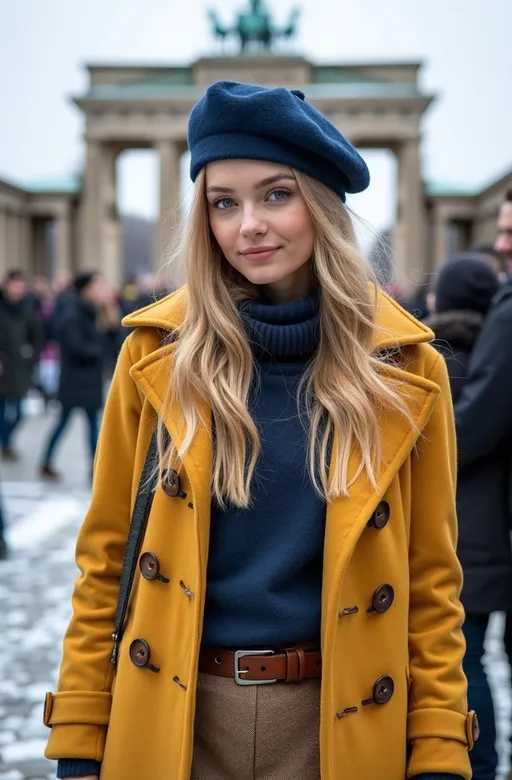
[{"x": 61, "y": 340}]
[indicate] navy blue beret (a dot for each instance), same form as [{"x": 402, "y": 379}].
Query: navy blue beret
[{"x": 244, "y": 121}]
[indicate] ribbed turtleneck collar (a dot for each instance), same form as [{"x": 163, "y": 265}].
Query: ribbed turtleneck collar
[{"x": 283, "y": 330}]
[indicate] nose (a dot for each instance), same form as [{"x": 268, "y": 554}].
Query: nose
[{"x": 253, "y": 223}]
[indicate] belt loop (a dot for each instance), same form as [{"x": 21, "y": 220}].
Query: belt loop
[
  {"x": 295, "y": 664},
  {"x": 302, "y": 663}
]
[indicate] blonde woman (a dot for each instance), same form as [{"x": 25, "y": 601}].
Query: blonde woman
[{"x": 295, "y": 608}]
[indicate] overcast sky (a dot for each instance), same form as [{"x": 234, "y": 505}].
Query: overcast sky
[{"x": 465, "y": 46}]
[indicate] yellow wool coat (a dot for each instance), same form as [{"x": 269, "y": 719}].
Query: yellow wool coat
[{"x": 141, "y": 724}]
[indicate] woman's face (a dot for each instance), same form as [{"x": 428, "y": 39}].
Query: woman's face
[{"x": 262, "y": 225}]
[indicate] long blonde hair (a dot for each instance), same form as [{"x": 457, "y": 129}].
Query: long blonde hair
[{"x": 343, "y": 385}]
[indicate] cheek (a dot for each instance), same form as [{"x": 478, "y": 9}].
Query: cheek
[
  {"x": 503, "y": 243},
  {"x": 225, "y": 232},
  {"x": 300, "y": 228}
]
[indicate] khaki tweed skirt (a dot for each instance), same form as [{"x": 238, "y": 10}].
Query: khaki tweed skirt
[{"x": 256, "y": 732}]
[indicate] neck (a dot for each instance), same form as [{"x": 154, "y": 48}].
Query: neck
[{"x": 294, "y": 287}]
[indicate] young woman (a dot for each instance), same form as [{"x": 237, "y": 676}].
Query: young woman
[{"x": 296, "y": 609}]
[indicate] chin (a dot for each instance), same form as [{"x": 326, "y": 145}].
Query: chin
[{"x": 264, "y": 275}]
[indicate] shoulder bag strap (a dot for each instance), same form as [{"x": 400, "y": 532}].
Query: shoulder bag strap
[{"x": 138, "y": 525}]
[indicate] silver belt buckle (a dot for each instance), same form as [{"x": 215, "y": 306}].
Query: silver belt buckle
[{"x": 238, "y": 672}]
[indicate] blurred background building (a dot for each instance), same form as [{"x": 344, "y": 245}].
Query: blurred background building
[{"x": 72, "y": 223}]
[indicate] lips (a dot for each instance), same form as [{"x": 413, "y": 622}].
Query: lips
[{"x": 259, "y": 252}]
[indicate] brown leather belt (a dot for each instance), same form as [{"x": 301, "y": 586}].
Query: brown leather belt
[{"x": 257, "y": 667}]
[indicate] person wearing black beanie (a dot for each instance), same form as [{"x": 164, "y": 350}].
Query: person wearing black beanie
[
  {"x": 483, "y": 418},
  {"x": 464, "y": 292}
]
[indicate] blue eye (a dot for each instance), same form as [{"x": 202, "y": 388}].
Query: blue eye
[
  {"x": 223, "y": 203},
  {"x": 279, "y": 194}
]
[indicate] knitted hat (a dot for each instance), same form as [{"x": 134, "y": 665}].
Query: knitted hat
[
  {"x": 83, "y": 280},
  {"x": 466, "y": 282},
  {"x": 243, "y": 121}
]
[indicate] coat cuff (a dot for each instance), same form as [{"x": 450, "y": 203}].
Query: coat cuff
[
  {"x": 77, "y": 767},
  {"x": 433, "y": 756},
  {"x": 445, "y": 724},
  {"x": 88, "y": 707},
  {"x": 78, "y": 721}
]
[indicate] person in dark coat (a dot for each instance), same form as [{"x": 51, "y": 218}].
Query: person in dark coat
[
  {"x": 82, "y": 353},
  {"x": 483, "y": 416},
  {"x": 21, "y": 340},
  {"x": 464, "y": 292}
]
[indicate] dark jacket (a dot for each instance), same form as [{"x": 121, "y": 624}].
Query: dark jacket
[
  {"x": 483, "y": 411},
  {"x": 82, "y": 352},
  {"x": 21, "y": 340}
]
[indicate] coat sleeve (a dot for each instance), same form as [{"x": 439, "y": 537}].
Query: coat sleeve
[
  {"x": 437, "y": 726},
  {"x": 483, "y": 413},
  {"x": 79, "y": 712}
]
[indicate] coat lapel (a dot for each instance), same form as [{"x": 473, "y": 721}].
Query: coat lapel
[
  {"x": 152, "y": 375},
  {"x": 347, "y": 516}
]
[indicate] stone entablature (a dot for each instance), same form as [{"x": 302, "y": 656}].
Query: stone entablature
[{"x": 376, "y": 105}]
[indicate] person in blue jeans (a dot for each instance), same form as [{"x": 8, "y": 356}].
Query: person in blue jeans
[
  {"x": 62, "y": 423},
  {"x": 11, "y": 413},
  {"x": 3, "y": 543},
  {"x": 82, "y": 354}
]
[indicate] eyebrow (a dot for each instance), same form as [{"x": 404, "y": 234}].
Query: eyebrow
[{"x": 258, "y": 185}]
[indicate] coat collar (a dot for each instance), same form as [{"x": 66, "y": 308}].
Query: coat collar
[{"x": 396, "y": 327}]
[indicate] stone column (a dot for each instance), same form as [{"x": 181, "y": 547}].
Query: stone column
[
  {"x": 439, "y": 238},
  {"x": 90, "y": 208},
  {"x": 25, "y": 244},
  {"x": 63, "y": 242},
  {"x": 410, "y": 232},
  {"x": 111, "y": 234},
  {"x": 169, "y": 218},
  {"x": 42, "y": 265},
  {"x": 3, "y": 245},
  {"x": 13, "y": 241},
  {"x": 99, "y": 248}
]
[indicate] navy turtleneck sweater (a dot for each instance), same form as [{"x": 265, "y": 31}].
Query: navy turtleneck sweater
[{"x": 265, "y": 562}]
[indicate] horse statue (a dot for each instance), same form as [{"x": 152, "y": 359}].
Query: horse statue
[
  {"x": 255, "y": 26},
  {"x": 219, "y": 31},
  {"x": 291, "y": 28}
]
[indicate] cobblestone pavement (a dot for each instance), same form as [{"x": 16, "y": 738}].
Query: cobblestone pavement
[{"x": 35, "y": 589}]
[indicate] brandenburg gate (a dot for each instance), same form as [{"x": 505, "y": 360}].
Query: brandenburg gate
[{"x": 377, "y": 106}]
